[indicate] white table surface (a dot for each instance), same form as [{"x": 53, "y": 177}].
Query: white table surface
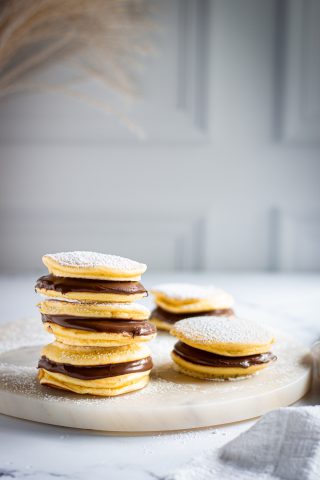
[{"x": 44, "y": 452}]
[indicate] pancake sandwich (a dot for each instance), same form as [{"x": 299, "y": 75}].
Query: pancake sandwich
[
  {"x": 226, "y": 348},
  {"x": 176, "y": 301}
]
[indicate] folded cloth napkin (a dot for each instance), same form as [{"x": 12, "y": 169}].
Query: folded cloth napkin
[{"x": 284, "y": 444}]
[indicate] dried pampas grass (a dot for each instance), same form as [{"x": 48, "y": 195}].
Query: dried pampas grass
[{"x": 103, "y": 39}]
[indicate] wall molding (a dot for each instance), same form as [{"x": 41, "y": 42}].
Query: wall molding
[
  {"x": 301, "y": 106},
  {"x": 165, "y": 243},
  {"x": 294, "y": 240},
  {"x": 193, "y": 57}
]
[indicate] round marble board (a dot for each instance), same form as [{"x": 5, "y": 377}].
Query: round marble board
[{"x": 171, "y": 401}]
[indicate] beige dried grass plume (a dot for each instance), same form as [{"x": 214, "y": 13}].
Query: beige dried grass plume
[{"x": 103, "y": 39}]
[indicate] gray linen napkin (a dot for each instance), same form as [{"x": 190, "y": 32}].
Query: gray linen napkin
[{"x": 284, "y": 444}]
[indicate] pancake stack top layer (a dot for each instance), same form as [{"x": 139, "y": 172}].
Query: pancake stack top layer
[
  {"x": 227, "y": 348},
  {"x": 176, "y": 301},
  {"x": 93, "y": 265},
  {"x": 90, "y": 308}
]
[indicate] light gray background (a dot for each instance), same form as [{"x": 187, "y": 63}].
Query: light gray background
[{"x": 228, "y": 176}]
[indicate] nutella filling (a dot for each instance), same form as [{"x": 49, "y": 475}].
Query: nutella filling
[
  {"x": 131, "y": 328},
  {"x": 201, "y": 357},
  {"x": 169, "y": 317},
  {"x": 66, "y": 285},
  {"x": 95, "y": 372}
]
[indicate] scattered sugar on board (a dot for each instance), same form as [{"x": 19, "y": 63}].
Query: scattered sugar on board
[
  {"x": 229, "y": 330},
  {"x": 19, "y": 379},
  {"x": 96, "y": 260},
  {"x": 181, "y": 438},
  {"x": 22, "y": 333},
  {"x": 22, "y": 379}
]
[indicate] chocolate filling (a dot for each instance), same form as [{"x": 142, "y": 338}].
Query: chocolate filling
[
  {"x": 132, "y": 328},
  {"x": 94, "y": 372},
  {"x": 172, "y": 318},
  {"x": 201, "y": 357},
  {"x": 66, "y": 285}
]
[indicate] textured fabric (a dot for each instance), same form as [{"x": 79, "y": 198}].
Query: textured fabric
[{"x": 283, "y": 445}]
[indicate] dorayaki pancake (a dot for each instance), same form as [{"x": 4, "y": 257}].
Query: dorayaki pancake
[
  {"x": 123, "y": 311},
  {"x": 86, "y": 331},
  {"x": 188, "y": 298},
  {"x": 206, "y": 365},
  {"x": 95, "y": 370},
  {"x": 106, "y": 387},
  {"x": 229, "y": 336},
  {"x": 89, "y": 290},
  {"x": 164, "y": 320},
  {"x": 60, "y": 353},
  {"x": 81, "y": 264}
]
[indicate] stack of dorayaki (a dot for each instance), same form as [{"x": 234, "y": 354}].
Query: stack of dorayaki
[
  {"x": 176, "y": 301},
  {"x": 100, "y": 332}
]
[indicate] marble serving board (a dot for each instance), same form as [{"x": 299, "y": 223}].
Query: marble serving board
[{"x": 171, "y": 401}]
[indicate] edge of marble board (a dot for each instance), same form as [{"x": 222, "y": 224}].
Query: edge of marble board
[{"x": 180, "y": 417}]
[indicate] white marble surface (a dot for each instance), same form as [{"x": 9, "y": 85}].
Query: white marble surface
[
  {"x": 172, "y": 401},
  {"x": 44, "y": 452}
]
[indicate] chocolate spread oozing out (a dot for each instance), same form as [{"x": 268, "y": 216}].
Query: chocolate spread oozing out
[
  {"x": 96, "y": 372},
  {"x": 131, "y": 328},
  {"x": 202, "y": 357},
  {"x": 65, "y": 285},
  {"x": 169, "y": 317}
]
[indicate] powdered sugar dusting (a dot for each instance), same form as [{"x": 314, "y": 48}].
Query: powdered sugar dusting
[
  {"x": 125, "y": 307},
  {"x": 22, "y": 333},
  {"x": 167, "y": 392},
  {"x": 97, "y": 260},
  {"x": 185, "y": 291},
  {"x": 78, "y": 355},
  {"x": 48, "y": 299},
  {"x": 229, "y": 330}
]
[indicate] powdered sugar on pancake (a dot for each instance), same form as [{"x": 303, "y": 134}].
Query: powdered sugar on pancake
[
  {"x": 186, "y": 291},
  {"x": 226, "y": 330},
  {"x": 60, "y": 300},
  {"x": 76, "y": 355},
  {"x": 83, "y": 259},
  {"x": 124, "y": 307}
]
